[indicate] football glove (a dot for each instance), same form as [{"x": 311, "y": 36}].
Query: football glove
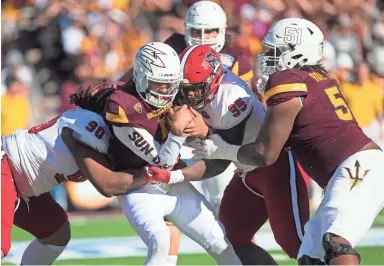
[
  {"x": 214, "y": 147},
  {"x": 160, "y": 175}
]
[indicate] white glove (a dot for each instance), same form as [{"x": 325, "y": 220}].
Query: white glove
[
  {"x": 261, "y": 83},
  {"x": 214, "y": 147}
]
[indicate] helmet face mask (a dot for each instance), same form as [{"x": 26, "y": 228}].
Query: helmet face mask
[
  {"x": 270, "y": 58},
  {"x": 157, "y": 74},
  {"x": 160, "y": 94},
  {"x": 205, "y": 23},
  {"x": 196, "y": 95}
]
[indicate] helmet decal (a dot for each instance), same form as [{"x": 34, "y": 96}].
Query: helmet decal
[{"x": 150, "y": 57}]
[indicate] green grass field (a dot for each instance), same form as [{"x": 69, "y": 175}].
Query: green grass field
[{"x": 107, "y": 227}]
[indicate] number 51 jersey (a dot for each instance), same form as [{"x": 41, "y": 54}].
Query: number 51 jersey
[
  {"x": 40, "y": 160},
  {"x": 325, "y": 132}
]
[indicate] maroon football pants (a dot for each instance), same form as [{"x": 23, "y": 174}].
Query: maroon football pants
[
  {"x": 284, "y": 201},
  {"x": 41, "y": 217}
]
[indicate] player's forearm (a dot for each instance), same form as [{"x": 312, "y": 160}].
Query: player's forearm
[
  {"x": 106, "y": 181},
  {"x": 204, "y": 169},
  {"x": 169, "y": 152},
  {"x": 126, "y": 182},
  {"x": 255, "y": 154}
]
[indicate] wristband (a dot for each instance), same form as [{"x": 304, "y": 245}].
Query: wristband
[{"x": 176, "y": 177}]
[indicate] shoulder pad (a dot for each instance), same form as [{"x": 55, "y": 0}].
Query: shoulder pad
[
  {"x": 88, "y": 128},
  {"x": 237, "y": 104},
  {"x": 177, "y": 42},
  {"x": 287, "y": 81},
  {"x": 122, "y": 108}
]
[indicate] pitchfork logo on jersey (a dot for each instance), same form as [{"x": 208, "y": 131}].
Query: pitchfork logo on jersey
[
  {"x": 149, "y": 56},
  {"x": 212, "y": 61}
]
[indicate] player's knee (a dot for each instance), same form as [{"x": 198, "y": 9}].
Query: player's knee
[
  {"x": 60, "y": 237},
  {"x": 335, "y": 246},
  {"x": 219, "y": 247},
  {"x": 2, "y": 254},
  {"x": 159, "y": 244}
]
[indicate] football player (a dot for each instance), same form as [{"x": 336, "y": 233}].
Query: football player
[
  {"x": 71, "y": 147},
  {"x": 223, "y": 104},
  {"x": 205, "y": 23},
  {"x": 137, "y": 114},
  {"x": 307, "y": 112}
]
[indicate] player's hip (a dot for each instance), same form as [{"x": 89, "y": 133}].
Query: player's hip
[{"x": 361, "y": 171}]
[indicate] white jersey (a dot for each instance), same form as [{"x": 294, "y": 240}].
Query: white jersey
[
  {"x": 39, "y": 158},
  {"x": 233, "y": 103}
]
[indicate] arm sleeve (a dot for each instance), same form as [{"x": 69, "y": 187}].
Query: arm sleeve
[{"x": 142, "y": 143}]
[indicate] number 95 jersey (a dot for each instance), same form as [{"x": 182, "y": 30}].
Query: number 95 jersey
[
  {"x": 40, "y": 160},
  {"x": 236, "y": 111}
]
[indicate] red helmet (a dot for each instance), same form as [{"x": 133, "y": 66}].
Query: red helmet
[{"x": 202, "y": 68}]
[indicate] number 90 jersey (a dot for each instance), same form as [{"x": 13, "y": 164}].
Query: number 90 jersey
[
  {"x": 40, "y": 160},
  {"x": 325, "y": 132}
]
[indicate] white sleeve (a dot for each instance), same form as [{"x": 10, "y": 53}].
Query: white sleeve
[{"x": 142, "y": 143}]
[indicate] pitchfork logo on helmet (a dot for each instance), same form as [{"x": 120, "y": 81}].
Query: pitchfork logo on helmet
[
  {"x": 150, "y": 56},
  {"x": 290, "y": 43},
  {"x": 157, "y": 73}
]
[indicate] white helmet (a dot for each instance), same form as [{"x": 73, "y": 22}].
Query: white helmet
[
  {"x": 291, "y": 42},
  {"x": 157, "y": 63},
  {"x": 203, "y": 16}
]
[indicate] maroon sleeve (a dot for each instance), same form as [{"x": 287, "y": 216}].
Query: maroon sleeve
[
  {"x": 122, "y": 109},
  {"x": 285, "y": 85},
  {"x": 177, "y": 42}
]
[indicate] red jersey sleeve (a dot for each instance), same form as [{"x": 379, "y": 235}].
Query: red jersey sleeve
[{"x": 283, "y": 86}]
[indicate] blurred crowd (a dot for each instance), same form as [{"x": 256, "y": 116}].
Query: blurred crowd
[{"x": 50, "y": 46}]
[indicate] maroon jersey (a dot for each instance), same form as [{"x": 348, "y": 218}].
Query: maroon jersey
[
  {"x": 325, "y": 132},
  {"x": 233, "y": 59},
  {"x": 126, "y": 108}
]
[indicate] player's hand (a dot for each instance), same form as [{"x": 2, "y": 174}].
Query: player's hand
[
  {"x": 156, "y": 174},
  {"x": 197, "y": 128},
  {"x": 179, "y": 120},
  {"x": 261, "y": 83},
  {"x": 160, "y": 175},
  {"x": 214, "y": 147}
]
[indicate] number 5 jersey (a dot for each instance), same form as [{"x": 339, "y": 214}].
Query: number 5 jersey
[
  {"x": 40, "y": 160},
  {"x": 325, "y": 132}
]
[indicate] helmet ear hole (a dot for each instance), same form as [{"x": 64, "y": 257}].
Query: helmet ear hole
[{"x": 297, "y": 56}]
